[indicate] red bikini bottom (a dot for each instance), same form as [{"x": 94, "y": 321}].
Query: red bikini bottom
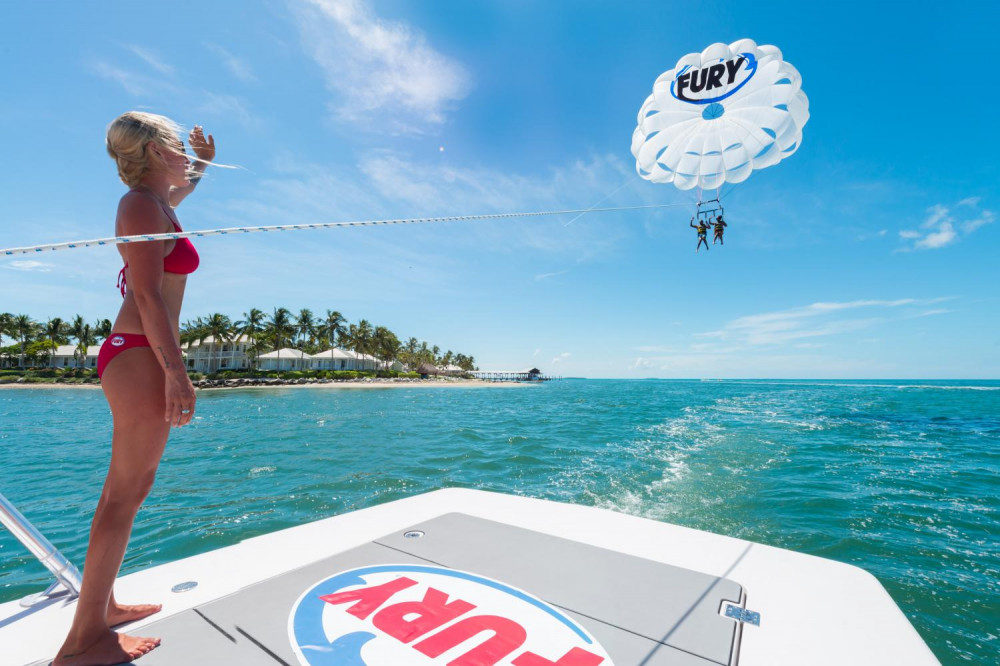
[{"x": 116, "y": 344}]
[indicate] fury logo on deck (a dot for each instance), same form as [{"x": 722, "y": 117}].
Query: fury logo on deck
[
  {"x": 415, "y": 615},
  {"x": 713, "y": 83}
]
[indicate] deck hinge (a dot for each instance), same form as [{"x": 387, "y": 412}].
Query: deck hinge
[{"x": 743, "y": 615}]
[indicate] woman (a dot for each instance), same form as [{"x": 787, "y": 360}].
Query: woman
[
  {"x": 702, "y": 230},
  {"x": 719, "y": 226},
  {"x": 141, "y": 370}
]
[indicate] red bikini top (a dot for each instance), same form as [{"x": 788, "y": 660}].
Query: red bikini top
[{"x": 182, "y": 260}]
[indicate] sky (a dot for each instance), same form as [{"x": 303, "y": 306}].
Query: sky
[{"x": 869, "y": 253}]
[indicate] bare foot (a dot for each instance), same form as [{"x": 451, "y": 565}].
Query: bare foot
[
  {"x": 108, "y": 649},
  {"x": 122, "y": 614}
]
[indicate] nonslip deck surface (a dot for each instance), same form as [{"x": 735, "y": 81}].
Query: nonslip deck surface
[{"x": 639, "y": 611}]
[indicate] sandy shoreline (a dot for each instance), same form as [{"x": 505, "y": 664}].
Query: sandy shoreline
[{"x": 341, "y": 384}]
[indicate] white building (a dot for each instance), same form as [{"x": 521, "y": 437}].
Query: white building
[
  {"x": 64, "y": 356},
  {"x": 211, "y": 355},
  {"x": 335, "y": 359},
  {"x": 285, "y": 359},
  {"x": 344, "y": 359}
]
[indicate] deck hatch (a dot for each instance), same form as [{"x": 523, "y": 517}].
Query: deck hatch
[{"x": 640, "y": 611}]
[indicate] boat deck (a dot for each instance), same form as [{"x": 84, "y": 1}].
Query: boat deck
[{"x": 502, "y": 581}]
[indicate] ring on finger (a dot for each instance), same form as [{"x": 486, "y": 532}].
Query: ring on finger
[{"x": 185, "y": 411}]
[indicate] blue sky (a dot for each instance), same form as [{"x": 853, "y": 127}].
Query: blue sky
[{"x": 871, "y": 252}]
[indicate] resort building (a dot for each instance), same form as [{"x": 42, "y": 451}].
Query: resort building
[
  {"x": 345, "y": 359},
  {"x": 64, "y": 356},
  {"x": 285, "y": 359},
  {"x": 334, "y": 359},
  {"x": 211, "y": 355}
]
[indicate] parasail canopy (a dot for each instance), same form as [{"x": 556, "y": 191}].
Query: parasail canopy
[{"x": 720, "y": 114}]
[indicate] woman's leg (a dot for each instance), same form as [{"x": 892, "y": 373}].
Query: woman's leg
[{"x": 133, "y": 384}]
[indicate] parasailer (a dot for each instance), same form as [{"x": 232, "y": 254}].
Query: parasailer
[
  {"x": 718, "y": 226},
  {"x": 717, "y": 116},
  {"x": 702, "y": 228}
]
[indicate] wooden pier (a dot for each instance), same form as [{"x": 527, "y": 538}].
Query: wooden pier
[{"x": 532, "y": 375}]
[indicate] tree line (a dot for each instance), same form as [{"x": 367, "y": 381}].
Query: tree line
[
  {"x": 281, "y": 329},
  {"x": 35, "y": 341}
]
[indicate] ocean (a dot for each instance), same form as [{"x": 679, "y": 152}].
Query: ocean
[{"x": 901, "y": 478}]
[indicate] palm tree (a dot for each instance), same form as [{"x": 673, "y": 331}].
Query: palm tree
[
  {"x": 54, "y": 331},
  {"x": 23, "y": 328},
  {"x": 436, "y": 351},
  {"x": 280, "y": 329},
  {"x": 5, "y": 321},
  {"x": 76, "y": 331},
  {"x": 348, "y": 338},
  {"x": 102, "y": 329},
  {"x": 190, "y": 331},
  {"x": 332, "y": 327},
  {"x": 363, "y": 338},
  {"x": 386, "y": 344},
  {"x": 85, "y": 338},
  {"x": 411, "y": 352},
  {"x": 251, "y": 326},
  {"x": 305, "y": 328},
  {"x": 465, "y": 362},
  {"x": 220, "y": 328}
]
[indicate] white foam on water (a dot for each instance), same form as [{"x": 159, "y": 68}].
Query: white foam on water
[{"x": 894, "y": 387}]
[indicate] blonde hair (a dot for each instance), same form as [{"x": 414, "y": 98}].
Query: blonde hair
[{"x": 128, "y": 136}]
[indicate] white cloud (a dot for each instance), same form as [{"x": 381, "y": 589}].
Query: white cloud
[
  {"x": 229, "y": 106},
  {"x": 546, "y": 276},
  {"x": 641, "y": 362},
  {"x": 387, "y": 185},
  {"x": 561, "y": 357},
  {"x": 945, "y": 235},
  {"x": 986, "y": 217},
  {"x": 132, "y": 83},
  {"x": 140, "y": 85},
  {"x": 810, "y": 321},
  {"x": 787, "y": 343},
  {"x": 945, "y": 226},
  {"x": 936, "y": 215},
  {"x": 237, "y": 67},
  {"x": 378, "y": 69},
  {"x": 29, "y": 265},
  {"x": 150, "y": 59}
]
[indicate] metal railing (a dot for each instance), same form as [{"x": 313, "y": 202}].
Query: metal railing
[{"x": 67, "y": 575}]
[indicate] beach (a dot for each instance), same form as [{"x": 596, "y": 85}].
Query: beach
[{"x": 201, "y": 385}]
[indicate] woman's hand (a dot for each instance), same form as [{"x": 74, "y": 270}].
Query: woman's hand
[
  {"x": 203, "y": 149},
  {"x": 180, "y": 399}
]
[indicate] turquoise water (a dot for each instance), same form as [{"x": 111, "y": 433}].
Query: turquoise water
[{"x": 900, "y": 478}]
